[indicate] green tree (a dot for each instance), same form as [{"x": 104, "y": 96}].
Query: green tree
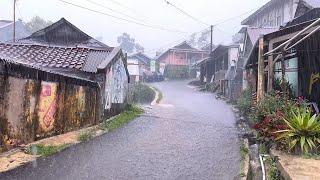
[
  {"x": 37, "y": 23},
  {"x": 128, "y": 44}
]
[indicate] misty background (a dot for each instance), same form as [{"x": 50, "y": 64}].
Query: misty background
[{"x": 172, "y": 26}]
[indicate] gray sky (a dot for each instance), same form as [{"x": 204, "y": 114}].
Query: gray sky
[{"x": 155, "y": 12}]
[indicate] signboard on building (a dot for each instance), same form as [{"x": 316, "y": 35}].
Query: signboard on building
[{"x": 153, "y": 66}]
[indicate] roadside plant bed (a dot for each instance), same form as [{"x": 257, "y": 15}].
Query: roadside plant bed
[
  {"x": 129, "y": 114},
  {"x": 43, "y": 150},
  {"x": 288, "y": 124},
  {"x": 143, "y": 94}
]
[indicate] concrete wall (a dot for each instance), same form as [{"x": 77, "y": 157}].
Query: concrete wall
[{"x": 31, "y": 110}]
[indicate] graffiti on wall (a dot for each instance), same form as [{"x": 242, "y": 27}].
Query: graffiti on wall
[
  {"x": 313, "y": 79},
  {"x": 116, "y": 84},
  {"x": 47, "y": 106}
]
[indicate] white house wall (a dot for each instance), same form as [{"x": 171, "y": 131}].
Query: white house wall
[
  {"x": 285, "y": 11},
  {"x": 116, "y": 85},
  {"x": 233, "y": 56}
]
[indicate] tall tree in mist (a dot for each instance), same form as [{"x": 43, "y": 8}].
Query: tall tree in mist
[{"x": 37, "y": 23}]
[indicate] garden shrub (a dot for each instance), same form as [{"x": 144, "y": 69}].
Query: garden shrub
[
  {"x": 303, "y": 131},
  {"x": 143, "y": 94},
  {"x": 269, "y": 114},
  {"x": 244, "y": 102}
]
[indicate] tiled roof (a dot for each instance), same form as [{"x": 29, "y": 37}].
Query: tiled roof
[
  {"x": 82, "y": 59},
  {"x": 184, "y": 45},
  {"x": 141, "y": 57}
]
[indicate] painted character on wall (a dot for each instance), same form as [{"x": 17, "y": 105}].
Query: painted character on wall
[
  {"x": 108, "y": 93},
  {"x": 47, "y": 106},
  {"x": 119, "y": 82},
  {"x": 313, "y": 79}
]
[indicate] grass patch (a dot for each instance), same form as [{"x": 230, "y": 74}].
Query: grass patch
[
  {"x": 273, "y": 173},
  {"x": 42, "y": 150},
  {"x": 129, "y": 114},
  {"x": 85, "y": 136},
  {"x": 243, "y": 154}
]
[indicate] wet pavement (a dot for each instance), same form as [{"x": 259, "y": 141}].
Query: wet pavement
[{"x": 190, "y": 135}]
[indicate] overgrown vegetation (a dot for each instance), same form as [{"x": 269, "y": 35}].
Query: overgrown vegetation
[
  {"x": 244, "y": 102},
  {"x": 273, "y": 172},
  {"x": 143, "y": 94},
  {"x": 129, "y": 114},
  {"x": 42, "y": 150},
  {"x": 85, "y": 136},
  {"x": 303, "y": 132}
]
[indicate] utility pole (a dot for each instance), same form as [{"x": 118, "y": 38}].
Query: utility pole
[
  {"x": 211, "y": 55},
  {"x": 260, "y": 84},
  {"x": 14, "y": 20},
  {"x": 211, "y": 44}
]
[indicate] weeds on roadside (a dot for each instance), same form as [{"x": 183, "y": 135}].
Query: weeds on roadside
[
  {"x": 42, "y": 150},
  {"x": 243, "y": 153},
  {"x": 129, "y": 114},
  {"x": 273, "y": 172},
  {"x": 85, "y": 136}
]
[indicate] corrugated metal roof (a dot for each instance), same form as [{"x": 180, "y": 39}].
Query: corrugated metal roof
[
  {"x": 63, "y": 33},
  {"x": 313, "y": 3},
  {"x": 255, "y": 32},
  {"x": 94, "y": 59},
  {"x": 6, "y": 31}
]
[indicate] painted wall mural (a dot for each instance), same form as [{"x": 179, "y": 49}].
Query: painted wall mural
[
  {"x": 116, "y": 84},
  {"x": 315, "y": 77},
  {"x": 119, "y": 82},
  {"x": 47, "y": 106},
  {"x": 108, "y": 86}
]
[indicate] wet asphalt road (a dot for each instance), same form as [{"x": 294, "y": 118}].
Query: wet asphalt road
[{"x": 190, "y": 135}]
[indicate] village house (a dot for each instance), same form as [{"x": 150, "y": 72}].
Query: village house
[
  {"x": 138, "y": 66},
  {"x": 299, "y": 56},
  {"x": 179, "y": 60},
  {"x": 57, "y": 80},
  {"x": 6, "y": 30},
  {"x": 267, "y": 19},
  {"x": 220, "y": 68},
  {"x": 277, "y": 12}
]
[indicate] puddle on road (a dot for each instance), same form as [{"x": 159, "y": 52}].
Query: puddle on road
[{"x": 166, "y": 105}]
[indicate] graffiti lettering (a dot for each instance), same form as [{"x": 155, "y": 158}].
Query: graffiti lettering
[
  {"x": 313, "y": 79},
  {"x": 47, "y": 106}
]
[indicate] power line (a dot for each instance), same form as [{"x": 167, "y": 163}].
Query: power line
[
  {"x": 234, "y": 17},
  {"x": 185, "y": 13},
  {"x": 174, "y": 42},
  {"x": 126, "y": 15},
  {"x": 123, "y": 19}
]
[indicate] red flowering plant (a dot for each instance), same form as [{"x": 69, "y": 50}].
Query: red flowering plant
[{"x": 269, "y": 114}]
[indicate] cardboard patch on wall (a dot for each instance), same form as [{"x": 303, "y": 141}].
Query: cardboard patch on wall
[{"x": 47, "y": 106}]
